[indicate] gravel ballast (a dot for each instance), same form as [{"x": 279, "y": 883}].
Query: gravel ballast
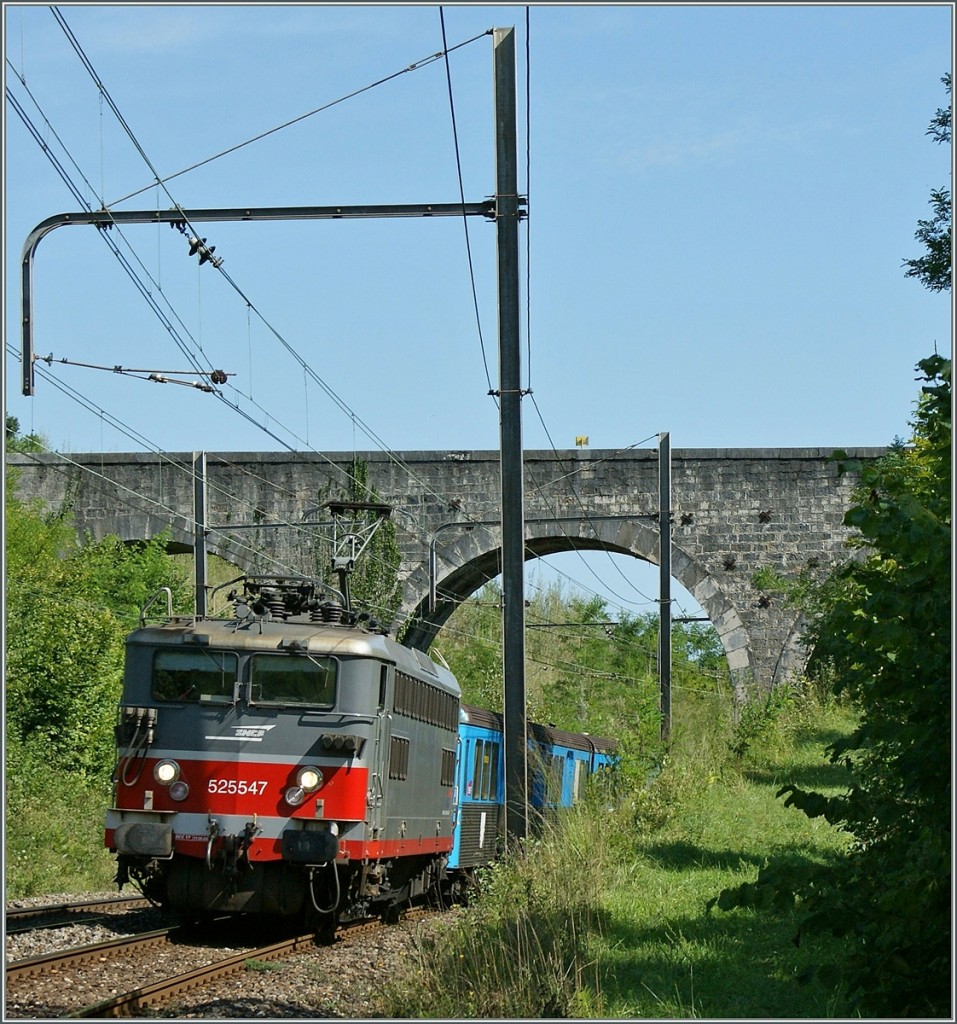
[{"x": 339, "y": 981}]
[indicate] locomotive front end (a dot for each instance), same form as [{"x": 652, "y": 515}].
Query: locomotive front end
[
  {"x": 242, "y": 760},
  {"x": 289, "y": 761}
]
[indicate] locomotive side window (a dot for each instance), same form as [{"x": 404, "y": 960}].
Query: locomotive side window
[
  {"x": 383, "y": 680},
  {"x": 193, "y": 676},
  {"x": 399, "y": 758},
  {"x": 281, "y": 679},
  {"x": 425, "y": 703},
  {"x": 447, "y": 778}
]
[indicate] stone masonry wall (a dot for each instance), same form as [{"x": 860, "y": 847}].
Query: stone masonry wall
[{"x": 733, "y": 511}]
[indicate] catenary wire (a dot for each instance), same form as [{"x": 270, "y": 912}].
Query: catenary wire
[
  {"x": 113, "y": 107},
  {"x": 528, "y": 307},
  {"x": 415, "y": 66},
  {"x": 232, "y": 499},
  {"x": 250, "y": 306},
  {"x": 465, "y": 224},
  {"x": 164, "y": 457}
]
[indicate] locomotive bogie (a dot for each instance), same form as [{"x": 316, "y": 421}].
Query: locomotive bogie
[{"x": 273, "y": 889}]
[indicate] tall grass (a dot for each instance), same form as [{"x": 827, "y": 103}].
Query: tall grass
[
  {"x": 523, "y": 949},
  {"x": 605, "y": 913}
]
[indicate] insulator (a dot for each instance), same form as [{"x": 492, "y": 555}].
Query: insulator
[{"x": 331, "y": 612}]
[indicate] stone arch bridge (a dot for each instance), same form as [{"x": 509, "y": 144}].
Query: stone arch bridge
[{"x": 734, "y": 511}]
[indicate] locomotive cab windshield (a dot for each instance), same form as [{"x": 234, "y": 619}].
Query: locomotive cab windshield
[
  {"x": 293, "y": 679},
  {"x": 216, "y": 677},
  {"x": 194, "y": 675}
]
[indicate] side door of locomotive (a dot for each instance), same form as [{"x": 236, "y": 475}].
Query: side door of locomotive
[{"x": 382, "y": 743}]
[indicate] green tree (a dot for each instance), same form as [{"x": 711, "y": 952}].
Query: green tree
[
  {"x": 68, "y": 609},
  {"x": 471, "y": 643},
  {"x": 17, "y": 442},
  {"x": 883, "y": 622},
  {"x": 933, "y": 269}
]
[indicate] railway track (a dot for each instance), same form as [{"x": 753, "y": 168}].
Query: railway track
[
  {"x": 177, "y": 961},
  {"x": 57, "y": 915},
  {"x": 128, "y": 1004}
]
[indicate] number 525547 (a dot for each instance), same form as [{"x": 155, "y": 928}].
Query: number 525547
[{"x": 236, "y": 786}]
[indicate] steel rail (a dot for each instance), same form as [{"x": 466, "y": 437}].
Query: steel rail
[
  {"x": 128, "y": 1003},
  {"x": 18, "y": 918},
  {"x": 84, "y": 954}
]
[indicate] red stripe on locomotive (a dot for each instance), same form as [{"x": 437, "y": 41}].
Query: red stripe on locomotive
[{"x": 248, "y": 788}]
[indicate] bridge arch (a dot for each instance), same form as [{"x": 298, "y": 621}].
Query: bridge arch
[{"x": 471, "y": 557}]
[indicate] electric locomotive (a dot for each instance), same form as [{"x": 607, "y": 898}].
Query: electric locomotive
[{"x": 291, "y": 760}]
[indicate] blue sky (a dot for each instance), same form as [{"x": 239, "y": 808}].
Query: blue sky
[{"x": 720, "y": 201}]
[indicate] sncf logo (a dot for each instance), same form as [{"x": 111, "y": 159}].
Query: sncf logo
[{"x": 252, "y": 733}]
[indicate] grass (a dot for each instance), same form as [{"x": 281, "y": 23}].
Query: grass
[
  {"x": 603, "y": 916},
  {"x": 53, "y": 834},
  {"x": 608, "y": 915},
  {"x": 664, "y": 955}
]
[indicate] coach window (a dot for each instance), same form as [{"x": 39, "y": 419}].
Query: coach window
[
  {"x": 553, "y": 793},
  {"x": 493, "y": 771},
  {"x": 581, "y": 776},
  {"x": 194, "y": 675},
  {"x": 289, "y": 679},
  {"x": 485, "y": 771}
]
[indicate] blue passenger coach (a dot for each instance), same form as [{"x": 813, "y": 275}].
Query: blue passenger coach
[
  {"x": 559, "y": 764},
  {"x": 477, "y": 803}
]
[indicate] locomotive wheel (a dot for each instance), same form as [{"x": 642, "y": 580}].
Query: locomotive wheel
[
  {"x": 394, "y": 912},
  {"x": 322, "y": 925},
  {"x": 325, "y": 927}
]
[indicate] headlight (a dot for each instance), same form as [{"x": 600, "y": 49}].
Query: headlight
[
  {"x": 179, "y": 790},
  {"x": 309, "y": 778},
  {"x": 166, "y": 772}
]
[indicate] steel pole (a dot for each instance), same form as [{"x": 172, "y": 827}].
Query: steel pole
[
  {"x": 664, "y": 586},
  {"x": 199, "y": 531},
  {"x": 510, "y": 410}
]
